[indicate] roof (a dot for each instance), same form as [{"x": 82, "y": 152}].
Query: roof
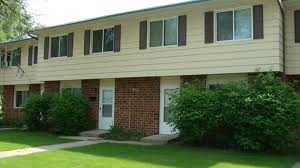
[
  {"x": 14, "y": 41},
  {"x": 124, "y": 13}
]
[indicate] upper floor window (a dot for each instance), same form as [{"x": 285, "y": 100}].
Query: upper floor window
[
  {"x": 59, "y": 46},
  {"x": 35, "y": 54},
  {"x": 234, "y": 24},
  {"x": 10, "y": 57},
  {"x": 163, "y": 32},
  {"x": 103, "y": 40}
]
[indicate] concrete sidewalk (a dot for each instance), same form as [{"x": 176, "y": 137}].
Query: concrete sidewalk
[
  {"x": 83, "y": 142},
  {"x": 27, "y": 151},
  {"x": 297, "y": 165}
]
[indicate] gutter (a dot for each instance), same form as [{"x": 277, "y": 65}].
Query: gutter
[{"x": 282, "y": 11}]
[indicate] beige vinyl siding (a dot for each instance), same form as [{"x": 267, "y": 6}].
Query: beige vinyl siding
[
  {"x": 193, "y": 59},
  {"x": 292, "y": 48},
  {"x": 8, "y": 75}
]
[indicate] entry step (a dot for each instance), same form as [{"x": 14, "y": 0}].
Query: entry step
[
  {"x": 93, "y": 133},
  {"x": 160, "y": 138}
]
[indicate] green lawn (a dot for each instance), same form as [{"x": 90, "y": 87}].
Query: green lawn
[
  {"x": 16, "y": 139},
  {"x": 133, "y": 156}
]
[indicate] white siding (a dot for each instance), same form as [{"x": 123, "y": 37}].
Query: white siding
[{"x": 292, "y": 48}]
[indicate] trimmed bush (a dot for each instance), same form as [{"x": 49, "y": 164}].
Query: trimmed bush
[
  {"x": 69, "y": 115},
  {"x": 258, "y": 115},
  {"x": 117, "y": 133},
  {"x": 36, "y": 111},
  {"x": 56, "y": 114}
]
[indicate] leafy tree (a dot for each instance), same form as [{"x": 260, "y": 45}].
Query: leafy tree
[{"x": 15, "y": 20}]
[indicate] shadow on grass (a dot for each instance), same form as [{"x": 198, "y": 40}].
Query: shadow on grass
[
  {"x": 187, "y": 157},
  {"x": 16, "y": 139}
]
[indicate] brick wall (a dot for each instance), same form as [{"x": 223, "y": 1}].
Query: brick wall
[
  {"x": 296, "y": 80},
  {"x": 137, "y": 102},
  {"x": 34, "y": 89},
  {"x": 52, "y": 86},
  {"x": 90, "y": 90},
  {"x": 8, "y": 103}
]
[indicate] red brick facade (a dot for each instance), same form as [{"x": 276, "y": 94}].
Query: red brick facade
[
  {"x": 8, "y": 103},
  {"x": 52, "y": 86},
  {"x": 137, "y": 102},
  {"x": 90, "y": 90},
  {"x": 34, "y": 89},
  {"x": 296, "y": 80}
]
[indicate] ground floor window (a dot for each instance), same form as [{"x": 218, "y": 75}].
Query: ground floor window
[
  {"x": 20, "y": 98},
  {"x": 71, "y": 91}
]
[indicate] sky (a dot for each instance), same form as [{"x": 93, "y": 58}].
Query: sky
[{"x": 56, "y": 12}]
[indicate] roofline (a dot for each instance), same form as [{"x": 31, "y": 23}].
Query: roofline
[
  {"x": 123, "y": 13},
  {"x": 15, "y": 41}
]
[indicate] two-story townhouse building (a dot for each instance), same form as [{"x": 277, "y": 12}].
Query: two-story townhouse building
[{"x": 127, "y": 64}]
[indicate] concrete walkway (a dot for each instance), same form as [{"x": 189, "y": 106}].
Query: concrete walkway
[
  {"x": 27, "y": 151},
  {"x": 297, "y": 165},
  {"x": 84, "y": 142}
]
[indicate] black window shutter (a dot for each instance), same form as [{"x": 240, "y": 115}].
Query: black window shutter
[
  {"x": 70, "y": 44},
  {"x": 30, "y": 56},
  {"x": 209, "y": 27},
  {"x": 117, "y": 38},
  {"x": 258, "y": 22},
  {"x": 87, "y": 36},
  {"x": 143, "y": 34},
  {"x": 19, "y": 53},
  {"x": 35, "y": 60},
  {"x": 46, "y": 48},
  {"x": 182, "y": 30},
  {"x": 297, "y": 26}
]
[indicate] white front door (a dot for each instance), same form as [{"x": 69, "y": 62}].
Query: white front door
[
  {"x": 167, "y": 87},
  {"x": 107, "y": 101}
]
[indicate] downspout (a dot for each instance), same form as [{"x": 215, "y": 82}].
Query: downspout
[{"x": 280, "y": 4}]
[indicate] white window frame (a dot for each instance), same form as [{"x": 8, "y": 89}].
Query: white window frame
[
  {"x": 91, "y": 40},
  {"x": 163, "y": 31},
  {"x": 233, "y": 25},
  {"x": 76, "y": 84},
  {"x": 23, "y": 88},
  {"x": 50, "y": 44},
  {"x": 9, "y": 64},
  {"x": 33, "y": 52}
]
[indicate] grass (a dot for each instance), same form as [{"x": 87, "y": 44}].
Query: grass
[
  {"x": 133, "y": 156},
  {"x": 16, "y": 139}
]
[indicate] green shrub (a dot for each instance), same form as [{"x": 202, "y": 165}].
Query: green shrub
[
  {"x": 117, "y": 133},
  {"x": 258, "y": 115},
  {"x": 36, "y": 109},
  {"x": 11, "y": 123},
  {"x": 69, "y": 115}
]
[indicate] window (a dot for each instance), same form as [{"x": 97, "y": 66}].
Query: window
[
  {"x": 168, "y": 115},
  {"x": 20, "y": 98},
  {"x": 3, "y": 63},
  {"x": 234, "y": 25},
  {"x": 103, "y": 40},
  {"x": 59, "y": 46},
  {"x": 15, "y": 55},
  {"x": 8, "y": 58},
  {"x": 213, "y": 86},
  {"x": 71, "y": 91},
  {"x": 164, "y": 32},
  {"x": 107, "y": 103}
]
